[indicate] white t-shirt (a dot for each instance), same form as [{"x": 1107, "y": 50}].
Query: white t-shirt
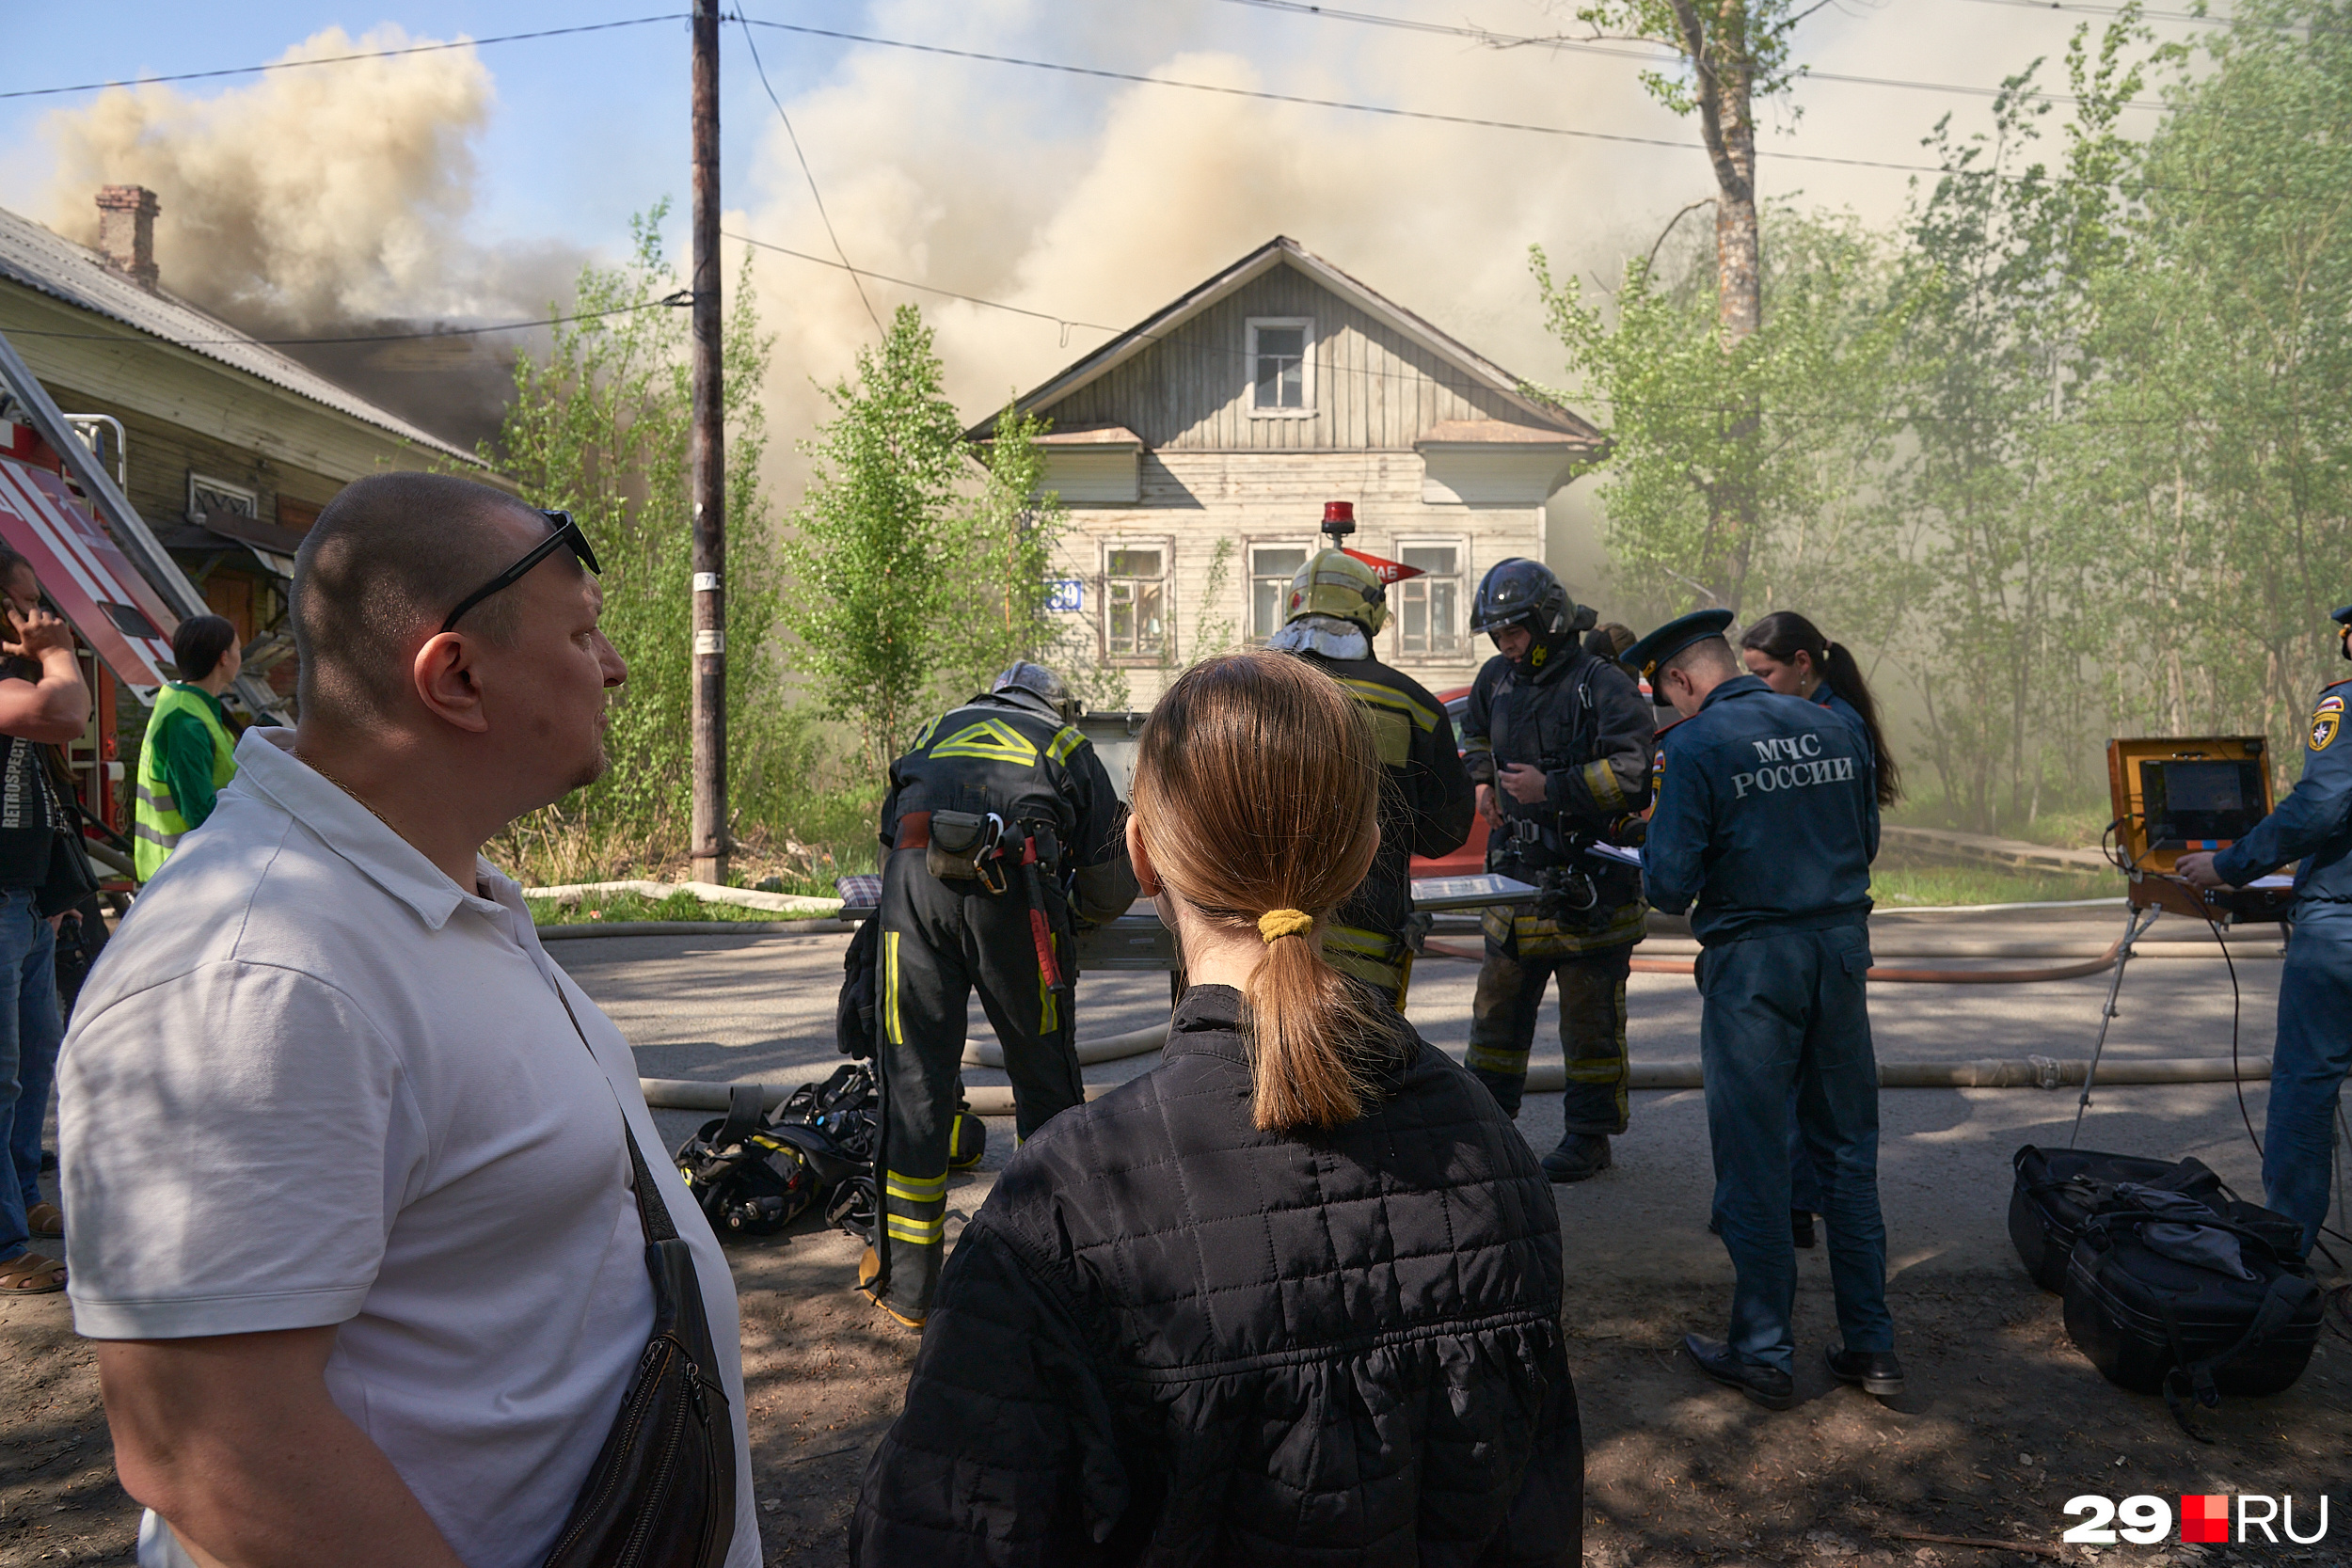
[{"x": 311, "y": 1082}]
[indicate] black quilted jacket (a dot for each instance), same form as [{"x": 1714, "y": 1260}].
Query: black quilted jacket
[{"x": 1169, "y": 1338}]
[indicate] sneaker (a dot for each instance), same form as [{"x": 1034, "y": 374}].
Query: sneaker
[
  {"x": 1801, "y": 1226},
  {"x": 1766, "y": 1387},
  {"x": 1876, "y": 1370},
  {"x": 868, "y": 1266},
  {"x": 1580, "y": 1155}
]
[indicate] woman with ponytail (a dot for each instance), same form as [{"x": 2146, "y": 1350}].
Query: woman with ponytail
[
  {"x": 1294, "y": 1294},
  {"x": 1793, "y": 656}
]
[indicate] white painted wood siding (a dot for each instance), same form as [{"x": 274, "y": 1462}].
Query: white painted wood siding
[
  {"x": 1194, "y": 499},
  {"x": 1375, "y": 388}
]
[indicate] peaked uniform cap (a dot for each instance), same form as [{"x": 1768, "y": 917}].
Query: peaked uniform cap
[{"x": 1671, "y": 639}]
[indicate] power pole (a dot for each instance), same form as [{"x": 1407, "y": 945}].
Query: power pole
[{"x": 709, "y": 832}]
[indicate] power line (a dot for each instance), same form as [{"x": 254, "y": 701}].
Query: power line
[
  {"x": 680, "y": 298},
  {"x": 751, "y": 42},
  {"x": 1591, "y": 47},
  {"x": 1167, "y": 343},
  {"x": 345, "y": 59},
  {"x": 2112, "y": 10},
  {"x": 1385, "y": 110}
]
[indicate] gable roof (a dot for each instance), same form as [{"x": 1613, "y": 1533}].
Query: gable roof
[
  {"x": 34, "y": 257},
  {"x": 1276, "y": 252}
]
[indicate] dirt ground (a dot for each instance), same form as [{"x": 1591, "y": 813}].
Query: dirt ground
[{"x": 2003, "y": 1422}]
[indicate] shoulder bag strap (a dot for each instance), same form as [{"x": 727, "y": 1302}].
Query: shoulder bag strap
[{"x": 652, "y": 1213}]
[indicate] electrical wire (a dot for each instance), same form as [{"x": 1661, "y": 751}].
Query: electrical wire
[
  {"x": 751, "y": 42},
  {"x": 346, "y": 60},
  {"x": 680, "y": 298},
  {"x": 1597, "y": 46},
  {"x": 1302, "y": 100},
  {"x": 2238, "y": 1077}
]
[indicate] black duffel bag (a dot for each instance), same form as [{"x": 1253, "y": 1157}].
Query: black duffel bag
[
  {"x": 2165, "y": 1295},
  {"x": 2057, "y": 1189}
]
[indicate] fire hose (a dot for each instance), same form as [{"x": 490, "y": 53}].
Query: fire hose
[
  {"x": 2030, "y": 1072},
  {"x": 2098, "y": 965}
]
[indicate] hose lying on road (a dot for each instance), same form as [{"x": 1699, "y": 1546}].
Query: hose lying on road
[
  {"x": 2034, "y": 1072},
  {"x": 2098, "y": 965},
  {"x": 1110, "y": 1048}
]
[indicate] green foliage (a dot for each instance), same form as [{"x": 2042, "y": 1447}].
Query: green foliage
[
  {"x": 1747, "y": 36},
  {"x": 1746, "y": 463},
  {"x": 1215, "y": 634},
  {"x": 1999, "y": 277},
  {"x": 869, "y": 560},
  {"x": 599, "y": 428},
  {"x": 2216, "y": 455}
]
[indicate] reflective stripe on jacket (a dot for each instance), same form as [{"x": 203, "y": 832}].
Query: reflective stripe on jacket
[{"x": 157, "y": 822}]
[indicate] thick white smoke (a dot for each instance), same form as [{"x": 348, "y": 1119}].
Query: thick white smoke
[{"x": 323, "y": 201}]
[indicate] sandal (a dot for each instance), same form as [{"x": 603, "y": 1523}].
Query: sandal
[
  {"x": 45, "y": 1219},
  {"x": 31, "y": 1274}
]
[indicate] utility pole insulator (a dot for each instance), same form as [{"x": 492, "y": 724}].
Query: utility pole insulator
[{"x": 709, "y": 840}]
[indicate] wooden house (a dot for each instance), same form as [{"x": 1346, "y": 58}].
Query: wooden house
[
  {"x": 225, "y": 446},
  {"x": 1195, "y": 452}
]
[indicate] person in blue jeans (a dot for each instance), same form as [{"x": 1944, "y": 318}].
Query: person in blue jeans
[
  {"x": 1787, "y": 653},
  {"x": 42, "y": 701},
  {"x": 1765, "y": 826},
  {"x": 2314, "y": 825}
]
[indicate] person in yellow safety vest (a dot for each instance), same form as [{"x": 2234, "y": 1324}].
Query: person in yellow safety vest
[{"x": 188, "y": 754}]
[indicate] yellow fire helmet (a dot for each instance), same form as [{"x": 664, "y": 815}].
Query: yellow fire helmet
[{"x": 1335, "y": 583}]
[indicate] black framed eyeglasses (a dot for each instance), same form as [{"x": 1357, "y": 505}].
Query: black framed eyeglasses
[{"x": 567, "y": 533}]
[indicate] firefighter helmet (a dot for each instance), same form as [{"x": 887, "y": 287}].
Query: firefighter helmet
[
  {"x": 1042, "y": 684},
  {"x": 1520, "y": 592},
  {"x": 1335, "y": 583}
]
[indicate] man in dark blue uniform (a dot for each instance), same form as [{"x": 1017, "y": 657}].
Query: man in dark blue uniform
[
  {"x": 1767, "y": 818},
  {"x": 2314, "y": 824}
]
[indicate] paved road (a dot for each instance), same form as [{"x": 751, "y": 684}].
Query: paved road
[{"x": 743, "y": 1007}]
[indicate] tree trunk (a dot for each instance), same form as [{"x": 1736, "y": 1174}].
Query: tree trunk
[{"x": 1714, "y": 37}]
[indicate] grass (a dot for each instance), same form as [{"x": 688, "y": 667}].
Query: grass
[
  {"x": 601, "y": 908},
  {"x": 1917, "y": 887}
]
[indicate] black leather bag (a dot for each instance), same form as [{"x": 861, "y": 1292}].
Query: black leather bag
[
  {"x": 2154, "y": 1321},
  {"x": 2057, "y": 1189},
  {"x": 661, "y": 1492}
]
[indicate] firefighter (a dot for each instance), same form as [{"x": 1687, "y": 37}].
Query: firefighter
[
  {"x": 1337, "y": 606},
  {"x": 1001, "y": 833},
  {"x": 1558, "y": 741}
]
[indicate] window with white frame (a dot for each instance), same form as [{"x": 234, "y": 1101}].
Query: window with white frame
[
  {"x": 1137, "y": 617},
  {"x": 1428, "y": 608},
  {"x": 1271, "y": 568},
  {"x": 217, "y": 497},
  {"x": 1281, "y": 366}
]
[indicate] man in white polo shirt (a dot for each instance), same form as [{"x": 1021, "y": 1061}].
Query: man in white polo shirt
[{"x": 352, "y": 1219}]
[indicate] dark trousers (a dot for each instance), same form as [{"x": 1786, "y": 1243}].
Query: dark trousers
[
  {"x": 939, "y": 940},
  {"x": 1592, "y": 1030},
  {"x": 1783, "y": 1011},
  {"x": 2308, "y": 1064}
]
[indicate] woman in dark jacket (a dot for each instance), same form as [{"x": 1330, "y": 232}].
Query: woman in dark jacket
[{"x": 1294, "y": 1296}]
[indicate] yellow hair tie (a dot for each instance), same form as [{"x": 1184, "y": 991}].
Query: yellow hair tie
[{"x": 1275, "y": 925}]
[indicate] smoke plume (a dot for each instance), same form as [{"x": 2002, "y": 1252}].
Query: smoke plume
[{"x": 325, "y": 202}]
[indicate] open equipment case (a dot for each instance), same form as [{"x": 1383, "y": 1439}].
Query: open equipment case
[{"x": 2174, "y": 797}]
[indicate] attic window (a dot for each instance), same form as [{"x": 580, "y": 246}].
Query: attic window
[{"x": 1281, "y": 366}]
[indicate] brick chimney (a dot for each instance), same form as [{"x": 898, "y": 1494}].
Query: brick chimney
[{"x": 126, "y": 232}]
